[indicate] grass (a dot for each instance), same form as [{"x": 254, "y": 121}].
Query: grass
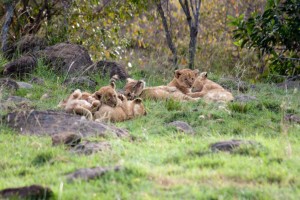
[{"x": 159, "y": 162}]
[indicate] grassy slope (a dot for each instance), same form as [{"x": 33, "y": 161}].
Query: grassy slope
[{"x": 161, "y": 163}]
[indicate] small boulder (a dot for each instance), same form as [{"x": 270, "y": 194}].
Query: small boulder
[
  {"x": 182, "y": 126},
  {"x": 88, "y": 147},
  {"x": 50, "y": 122},
  {"x": 23, "y": 65},
  {"x": 8, "y": 84},
  {"x": 17, "y": 99},
  {"x": 25, "y": 85},
  {"x": 37, "y": 80},
  {"x": 230, "y": 145},
  {"x": 90, "y": 173},
  {"x": 27, "y": 192},
  {"x": 66, "y": 138}
]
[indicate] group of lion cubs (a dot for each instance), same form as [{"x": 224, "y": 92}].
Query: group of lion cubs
[{"x": 107, "y": 105}]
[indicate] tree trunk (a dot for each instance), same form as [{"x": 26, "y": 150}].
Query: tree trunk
[
  {"x": 192, "y": 9},
  {"x": 167, "y": 32},
  {"x": 192, "y": 46},
  {"x": 9, "y": 7}
]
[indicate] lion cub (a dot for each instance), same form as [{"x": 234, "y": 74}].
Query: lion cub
[
  {"x": 135, "y": 89},
  {"x": 209, "y": 90},
  {"x": 184, "y": 79},
  {"x": 107, "y": 95},
  {"x": 124, "y": 111},
  {"x": 80, "y": 103}
]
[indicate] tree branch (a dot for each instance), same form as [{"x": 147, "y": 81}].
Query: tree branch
[{"x": 167, "y": 31}]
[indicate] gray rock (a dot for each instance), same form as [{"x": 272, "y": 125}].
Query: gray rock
[
  {"x": 81, "y": 82},
  {"x": 8, "y": 84},
  {"x": 182, "y": 126},
  {"x": 244, "y": 98},
  {"x": 17, "y": 99},
  {"x": 90, "y": 173},
  {"x": 25, "y": 85},
  {"x": 63, "y": 58},
  {"x": 27, "y": 192},
  {"x": 230, "y": 145},
  {"x": 88, "y": 147},
  {"x": 21, "y": 66},
  {"x": 37, "y": 80},
  {"x": 66, "y": 138},
  {"x": 51, "y": 122}
]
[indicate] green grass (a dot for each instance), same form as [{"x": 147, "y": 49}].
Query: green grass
[{"x": 158, "y": 162}]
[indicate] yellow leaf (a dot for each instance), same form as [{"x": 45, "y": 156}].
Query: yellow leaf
[{"x": 107, "y": 54}]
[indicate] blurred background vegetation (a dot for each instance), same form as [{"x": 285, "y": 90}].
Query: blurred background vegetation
[{"x": 131, "y": 32}]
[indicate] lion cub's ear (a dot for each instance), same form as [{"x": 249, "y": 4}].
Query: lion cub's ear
[
  {"x": 140, "y": 84},
  {"x": 196, "y": 71},
  {"x": 76, "y": 94},
  {"x": 203, "y": 75},
  {"x": 122, "y": 97},
  {"x": 177, "y": 73},
  {"x": 138, "y": 101},
  {"x": 113, "y": 85},
  {"x": 97, "y": 95}
]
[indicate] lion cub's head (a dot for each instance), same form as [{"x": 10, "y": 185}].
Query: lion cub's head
[
  {"x": 107, "y": 95},
  {"x": 75, "y": 95},
  {"x": 200, "y": 82},
  {"x": 133, "y": 88},
  {"x": 186, "y": 77},
  {"x": 136, "y": 108}
]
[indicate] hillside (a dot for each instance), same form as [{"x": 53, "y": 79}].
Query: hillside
[{"x": 157, "y": 161}]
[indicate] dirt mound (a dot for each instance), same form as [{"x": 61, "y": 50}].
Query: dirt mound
[
  {"x": 28, "y": 192},
  {"x": 20, "y": 66},
  {"x": 66, "y": 57}
]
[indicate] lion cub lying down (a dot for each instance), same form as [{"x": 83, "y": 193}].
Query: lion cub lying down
[
  {"x": 135, "y": 89},
  {"x": 209, "y": 90},
  {"x": 105, "y": 104},
  {"x": 81, "y": 103},
  {"x": 124, "y": 111},
  {"x": 184, "y": 79}
]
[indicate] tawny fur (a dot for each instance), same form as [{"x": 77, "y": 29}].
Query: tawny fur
[
  {"x": 74, "y": 104},
  {"x": 184, "y": 79},
  {"x": 209, "y": 90},
  {"x": 107, "y": 95},
  {"x": 135, "y": 89},
  {"x": 124, "y": 111}
]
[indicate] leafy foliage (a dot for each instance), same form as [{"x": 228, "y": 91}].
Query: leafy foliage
[{"x": 275, "y": 32}]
